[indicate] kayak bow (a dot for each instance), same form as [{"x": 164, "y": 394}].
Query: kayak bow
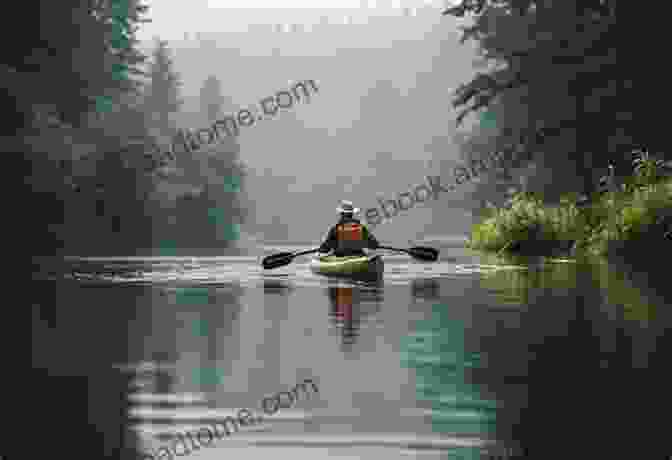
[{"x": 348, "y": 266}]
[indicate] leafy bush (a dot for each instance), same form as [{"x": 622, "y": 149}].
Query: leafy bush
[{"x": 622, "y": 218}]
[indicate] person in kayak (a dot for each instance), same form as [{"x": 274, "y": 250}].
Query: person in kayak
[{"x": 349, "y": 237}]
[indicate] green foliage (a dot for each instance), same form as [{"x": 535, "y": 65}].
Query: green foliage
[
  {"x": 525, "y": 220},
  {"x": 119, "y": 30},
  {"x": 209, "y": 217},
  {"x": 618, "y": 220},
  {"x": 640, "y": 218},
  {"x": 120, "y": 71},
  {"x": 232, "y": 184},
  {"x": 104, "y": 104},
  {"x": 208, "y": 376},
  {"x": 232, "y": 232},
  {"x": 648, "y": 170},
  {"x": 119, "y": 9},
  {"x": 99, "y": 184},
  {"x": 556, "y": 87},
  {"x": 161, "y": 97},
  {"x": 619, "y": 289},
  {"x": 192, "y": 296},
  {"x": 487, "y": 119},
  {"x": 226, "y": 230},
  {"x": 200, "y": 327},
  {"x": 168, "y": 248}
]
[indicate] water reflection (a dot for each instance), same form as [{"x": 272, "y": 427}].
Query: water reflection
[
  {"x": 436, "y": 350},
  {"x": 278, "y": 286},
  {"x": 163, "y": 377},
  {"x": 189, "y": 335},
  {"x": 582, "y": 358},
  {"x": 425, "y": 288},
  {"x": 76, "y": 339},
  {"x": 209, "y": 322},
  {"x": 573, "y": 355},
  {"x": 349, "y": 305}
]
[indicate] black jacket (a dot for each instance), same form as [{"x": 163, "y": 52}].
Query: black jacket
[{"x": 331, "y": 243}]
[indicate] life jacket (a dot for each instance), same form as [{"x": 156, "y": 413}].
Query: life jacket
[{"x": 350, "y": 236}]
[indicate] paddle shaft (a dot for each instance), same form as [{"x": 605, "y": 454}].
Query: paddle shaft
[
  {"x": 278, "y": 260},
  {"x": 302, "y": 253},
  {"x": 422, "y": 253},
  {"x": 395, "y": 249}
]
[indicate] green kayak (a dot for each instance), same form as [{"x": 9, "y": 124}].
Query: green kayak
[{"x": 348, "y": 266}]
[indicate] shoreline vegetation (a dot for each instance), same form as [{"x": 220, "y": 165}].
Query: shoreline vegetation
[
  {"x": 567, "y": 108},
  {"x": 629, "y": 218}
]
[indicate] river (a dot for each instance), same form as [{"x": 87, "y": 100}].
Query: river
[{"x": 465, "y": 358}]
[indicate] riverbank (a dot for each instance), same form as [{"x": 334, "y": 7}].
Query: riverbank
[{"x": 626, "y": 220}]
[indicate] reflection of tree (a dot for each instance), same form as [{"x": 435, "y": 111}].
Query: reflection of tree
[
  {"x": 425, "y": 289},
  {"x": 620, "y": 290},
  {"x": 584, "y": 340},
  {"x": 163, "y": 378},
  {"x": 436, "y": 351},
  {"x": 222, "y": 323},
  {"x": 212, "y": 325}
]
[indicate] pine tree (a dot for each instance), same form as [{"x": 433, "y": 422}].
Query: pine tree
[
  {"x": 211, "y": 97},
  {"x": 162, "y": 96},
  {"x": 548, "y": 55}
]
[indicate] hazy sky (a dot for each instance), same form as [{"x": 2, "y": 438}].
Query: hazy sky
[
  {"x": 171, "y": 18},
  {"x": 316, "y": 3},
  {"x": 283, "y": 3},
  {"x": 372, "y": 130}
]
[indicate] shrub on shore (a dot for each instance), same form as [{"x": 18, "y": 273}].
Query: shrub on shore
[{"x": 636, "y": 215}]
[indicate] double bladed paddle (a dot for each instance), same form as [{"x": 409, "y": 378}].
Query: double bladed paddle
[{"x": 285, "y": 258}]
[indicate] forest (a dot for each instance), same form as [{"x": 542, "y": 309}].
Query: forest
[
  {"x": 558, "y": 101},
  {"x": 569, "y": 93},
  {"x": 590, "y": 166},
  {"x": 92, "y": 118}
]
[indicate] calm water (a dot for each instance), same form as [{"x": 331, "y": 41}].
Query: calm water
[{"x": 461, "y": 358}]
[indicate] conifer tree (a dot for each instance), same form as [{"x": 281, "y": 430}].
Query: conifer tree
[
  {"x": 162, "y": 96},
  {"x": 211, "y": 97}
]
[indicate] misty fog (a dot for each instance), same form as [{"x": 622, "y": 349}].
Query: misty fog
[{"x": 385, "y": 82}]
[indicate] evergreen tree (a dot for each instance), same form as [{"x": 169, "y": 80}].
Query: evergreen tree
[
  {"x": 549, "y": 102},
  {"x": 211, "y": 98},
  {"x": 76, "y": 45},
  {"x": 162, "y": 96}
]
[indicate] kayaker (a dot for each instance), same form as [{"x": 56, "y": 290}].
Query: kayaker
[{"x": 349, "y": 237}]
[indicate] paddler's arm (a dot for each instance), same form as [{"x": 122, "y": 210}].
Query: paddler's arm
[
  {"x": 373, "y": 242},
  {"x": 330, "y": 243}
]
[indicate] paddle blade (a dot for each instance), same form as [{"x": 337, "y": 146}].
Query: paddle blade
[
  {"x": 424, "y": 253},
  {"x": 277, "y": 260}
]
